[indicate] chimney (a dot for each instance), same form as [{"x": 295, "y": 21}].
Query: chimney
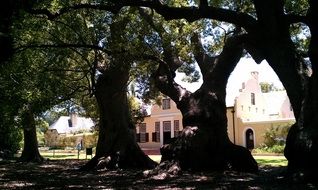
[
  {"x": 255, "y": 75},
  {"x": 73, "y": 118}
]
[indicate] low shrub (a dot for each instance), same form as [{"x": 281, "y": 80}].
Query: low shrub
[
  {"x": 274, "y": 140},
  {"x": 277, "y": 149}
]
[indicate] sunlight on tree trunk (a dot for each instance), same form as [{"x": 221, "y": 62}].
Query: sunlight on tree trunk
[
  {"x": 117, "y": 146},
  {"x": 30, "y": 151}
]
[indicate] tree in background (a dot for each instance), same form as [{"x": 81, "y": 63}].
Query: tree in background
[
  {"x": 34, "y": 82},
  {"x": 266, "y": 87},
  {"x": 10, "y": 134}
]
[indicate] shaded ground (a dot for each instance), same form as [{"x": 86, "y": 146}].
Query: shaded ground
[{"x": 63, "y": 174}]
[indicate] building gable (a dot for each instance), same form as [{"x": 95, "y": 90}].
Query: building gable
[{"x": 72, "y": 124}]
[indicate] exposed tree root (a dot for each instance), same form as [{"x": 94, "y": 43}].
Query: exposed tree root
[
  {"x": 194, "y": 151},
  {"x": 37, "y": 158},
  {"x": 116, "y": 161}
]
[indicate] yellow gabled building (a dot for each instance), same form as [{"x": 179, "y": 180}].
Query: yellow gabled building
[
  {"x": 252, "y": 114},
  {"x": 164, "y": 123}
]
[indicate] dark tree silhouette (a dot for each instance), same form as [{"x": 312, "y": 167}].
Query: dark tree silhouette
[{"x": 204, "y": 143}]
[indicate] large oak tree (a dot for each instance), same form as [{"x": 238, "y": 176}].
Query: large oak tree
[
  {"x": 97, "y": 48},
  {"x": 203, "y": 143}
]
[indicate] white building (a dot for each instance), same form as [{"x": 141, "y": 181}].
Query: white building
[
  {"x": 68, "y": 126},
  {"x": 72, "y": 124}
]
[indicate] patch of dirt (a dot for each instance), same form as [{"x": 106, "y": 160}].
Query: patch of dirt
[{"x": 64, "y": 174}]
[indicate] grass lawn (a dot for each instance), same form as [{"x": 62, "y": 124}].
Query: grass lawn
[
  {"x": 64, "y": 154},
  {"x": 271, "y": 160},
  {"x": 155, "y": 158},
  {"x": 261, "y": 160},
  {"x": 73, "y": 154}
]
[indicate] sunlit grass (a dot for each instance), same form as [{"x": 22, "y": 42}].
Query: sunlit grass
[
  {"x": 261, "y": 160},
  {"x": 271, "y": 160},
  {"x": 63, "y": 155},
  {"x": 73, "y": 154}
]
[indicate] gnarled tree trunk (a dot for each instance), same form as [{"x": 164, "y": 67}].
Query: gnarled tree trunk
[
  {"x": 30, "y": 151},
  {"x": 302, "y": 142},
  {"x": 117, "y": 146},
  {"x": 204, "y": 142},
  {"x": 277, "y": 48}
]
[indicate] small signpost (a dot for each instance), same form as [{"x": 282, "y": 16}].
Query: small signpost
[{"x": 79, "y": 148}]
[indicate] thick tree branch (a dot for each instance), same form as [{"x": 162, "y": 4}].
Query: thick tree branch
[
  {"x": 230, "y": 56},
  {"x": 169, "y": 13},
  {"x": 292, "y": 18},
  {"x": 213, "y": 68},
  {"x": 203, "y": 4},
  {"x": 194, "y": 13},
  {"x": 165, "y": 83},
  {"x": 204, "y": 60},
  {"x": 111, "y": 8},
  {"x": 35, "y": 46},
  {"x": 168, "y": 52}
]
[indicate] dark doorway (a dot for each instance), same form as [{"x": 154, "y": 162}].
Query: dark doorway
[
  {"x": 249, "y": 139},
  {"x": 166, "y": 137},
  {"x": 166, "y": 132}
]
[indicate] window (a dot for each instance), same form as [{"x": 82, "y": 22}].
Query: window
[
  {"x": 249, "y": 108},
  {"x": 156, "y": 134},
  {"x": 70, "y": 124},
  {"x": 142, "y": 132},
  {"x": 176, "y": 128},
  {"x": 256, "y": 110},
  {"x": 242, "y": 107},
  {"x": 253, "y": 98},
  {"x": 142, "y": 128},
  {"x": 166, "y": 126},
  {"x": 166, "y": 104},
  {"x": 243, "y": 85}
]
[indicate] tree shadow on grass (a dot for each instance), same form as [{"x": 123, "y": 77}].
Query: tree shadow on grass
[{"x": 64, "y": 174}]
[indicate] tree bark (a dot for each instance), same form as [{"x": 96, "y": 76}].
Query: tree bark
[
  {"x": 30, "y": 151},
  {"x": 116, "y": 146},
  {"x": 204, "y": 142},
  {"x": 277, "y": 48},
  {"x": 274, "y": 41},
  {"x": 302, "y": 144},
  {"x": 6, "y": 15}
]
